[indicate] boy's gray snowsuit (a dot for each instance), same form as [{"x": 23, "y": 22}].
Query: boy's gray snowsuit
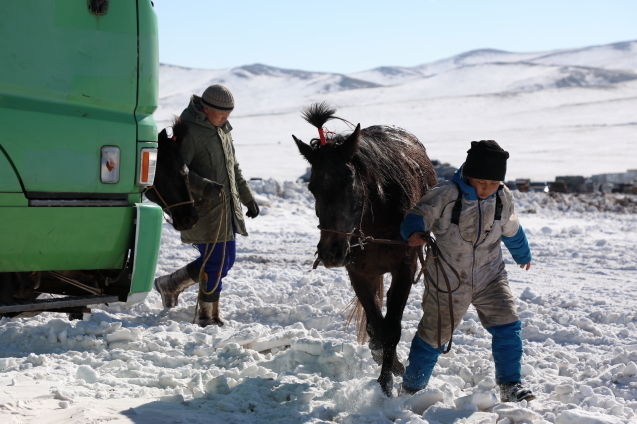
[{"x": 473, "y": 248}]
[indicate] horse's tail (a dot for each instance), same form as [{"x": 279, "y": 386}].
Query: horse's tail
[{"x": 357, "y": 314}]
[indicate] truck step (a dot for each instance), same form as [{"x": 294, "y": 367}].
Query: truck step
[{"x": 58, "y": 303}]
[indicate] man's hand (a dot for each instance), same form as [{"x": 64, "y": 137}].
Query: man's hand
[
  {"x": 212, "y": 190},
  {"x": 253, "y": 209},
  {"x": 416, "y": 239},
  {"x": 526, "y": 265}
]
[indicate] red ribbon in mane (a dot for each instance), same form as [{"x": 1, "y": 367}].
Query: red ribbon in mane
[
  {"x": 322, "y": 132},
  {"x": 322, "y": 135}
]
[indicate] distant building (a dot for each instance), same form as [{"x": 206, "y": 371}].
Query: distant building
[
  {"x": 627, "y": 177},
  {"x": 621, "y": 182}
]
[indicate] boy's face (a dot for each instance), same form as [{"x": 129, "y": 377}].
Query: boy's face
[{"x": 484, "y": 188}]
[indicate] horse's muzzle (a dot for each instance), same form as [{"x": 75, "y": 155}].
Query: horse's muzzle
[
  {"x": 185, "y": 222},
  {"x": 334, "y": 252}
]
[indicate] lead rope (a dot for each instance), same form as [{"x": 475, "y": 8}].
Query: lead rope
[
  {"x": 432, "y": 251},
  {"x": 223, "y": 221}
]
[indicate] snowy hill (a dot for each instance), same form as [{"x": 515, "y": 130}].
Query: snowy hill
[
  {"x": 548, "y": 109},
  {"x": 261, "y": 88},
  {"x": 617, "y": 56}
]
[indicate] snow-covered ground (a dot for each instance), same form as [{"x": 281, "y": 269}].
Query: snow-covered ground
[{"x": 284, "y": 355}]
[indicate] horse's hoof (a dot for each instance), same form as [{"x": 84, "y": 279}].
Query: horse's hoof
[{"x": 386, "y": 385}]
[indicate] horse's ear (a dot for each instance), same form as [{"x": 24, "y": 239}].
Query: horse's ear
[
  {"x": 306, "y": 150},
  {"x": 162, "y": 135},
  {"x": 350, "y": 145}
]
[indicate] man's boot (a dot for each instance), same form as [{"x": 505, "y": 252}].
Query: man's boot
[
  {"x": 216, "y": 315},
  {"x": 171, "y": 285},
  {"x": 208, "y": 313}
]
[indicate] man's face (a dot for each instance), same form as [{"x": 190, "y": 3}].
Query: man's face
[
  {"x": 484, "y": 188},
  {"x": 215, "y": 117}
]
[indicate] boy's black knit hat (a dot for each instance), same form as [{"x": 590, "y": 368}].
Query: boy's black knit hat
[{"x": 486, "y": 160}]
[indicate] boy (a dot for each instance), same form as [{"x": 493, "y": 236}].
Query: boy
[{"x": 469, "y": 215}]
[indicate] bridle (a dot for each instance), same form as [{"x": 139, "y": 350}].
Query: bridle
[
  {"x": 166, "y": 208},
  {"x": 363, "y": 240}
]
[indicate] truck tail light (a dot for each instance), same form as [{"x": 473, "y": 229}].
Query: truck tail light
[
  {"x": 147, "y": 165},
  {"x": 109, "y": 165}
]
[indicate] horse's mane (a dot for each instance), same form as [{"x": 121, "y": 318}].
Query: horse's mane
[
  {"x": 389, "y": 160},
  {"x": 391, "y": 164},
  {"x": 180, "y": 129}
]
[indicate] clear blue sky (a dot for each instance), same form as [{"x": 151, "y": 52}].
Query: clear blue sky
[{"x": 346, "y": 36}]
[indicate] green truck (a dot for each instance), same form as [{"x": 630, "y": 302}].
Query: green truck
[{"x": 78, "y": 147}]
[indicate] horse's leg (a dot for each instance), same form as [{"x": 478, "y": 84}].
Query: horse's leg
[
  {"x": 396, "y": 300},
  {"x": 366, "y": 286}
]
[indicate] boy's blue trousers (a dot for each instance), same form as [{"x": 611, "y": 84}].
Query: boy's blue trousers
[
  {"x": 214, "y": 266},
  {"x": 507, "y": 355}
]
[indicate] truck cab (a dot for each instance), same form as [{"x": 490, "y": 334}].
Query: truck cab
[{"x": 78, "y": 144}]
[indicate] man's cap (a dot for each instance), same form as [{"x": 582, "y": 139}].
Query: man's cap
[{"x": 218, "y": 97}]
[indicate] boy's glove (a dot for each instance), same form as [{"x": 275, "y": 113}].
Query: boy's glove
[
  {"x": 212, "y": 190},
  {"x": 417, "y": 239},
  {"x": 253, "y": 209}
]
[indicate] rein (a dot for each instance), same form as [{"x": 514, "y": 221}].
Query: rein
[
  {"x": 432, "y": 250},
  {"x": 167, "y": 207}
]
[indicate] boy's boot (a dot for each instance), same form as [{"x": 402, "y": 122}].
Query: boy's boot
[
  {"x": 208, "y": 314},
  {"x": 406, "y": 390},
  {"x": 515, "y": 392},
  {"x": 170, "y": 286},
  {"x": 422, "y": 360}
]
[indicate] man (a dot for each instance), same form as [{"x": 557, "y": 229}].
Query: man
[
  {"x": 469, "y": 216},
  {"x": 208, "y": 152}
]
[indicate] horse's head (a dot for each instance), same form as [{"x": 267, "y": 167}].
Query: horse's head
[
  {"x": 338, "y": 192},
  {"x": 171, "y": 189}
]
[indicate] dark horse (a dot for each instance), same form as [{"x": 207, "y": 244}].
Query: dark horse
[
  {"x": 364, "y": 183},
  {"x": 171, "y": 189}
]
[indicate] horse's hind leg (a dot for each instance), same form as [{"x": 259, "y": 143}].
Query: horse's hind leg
[{"x": 396, "y": 300}]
